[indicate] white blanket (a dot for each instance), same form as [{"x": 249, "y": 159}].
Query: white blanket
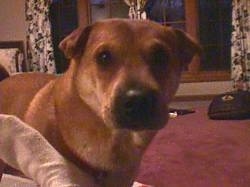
[{"x": 26, "y": 150}]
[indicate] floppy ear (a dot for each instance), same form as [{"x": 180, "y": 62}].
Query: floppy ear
[
  {"x": 187, "y": 47},
  {"x": 74, "y": 44}
]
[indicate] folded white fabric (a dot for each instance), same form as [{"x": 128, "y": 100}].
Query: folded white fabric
[
  {"x": 25, "y": 149},
  {"x": 137, "y": 184},
  {"x": 15, "y": 181}
]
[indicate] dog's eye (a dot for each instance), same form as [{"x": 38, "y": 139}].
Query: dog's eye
[
  {"x": 159, "y": 61},
  {"x": 159, "y": 57},
  {"x": 104, "y": 57}
]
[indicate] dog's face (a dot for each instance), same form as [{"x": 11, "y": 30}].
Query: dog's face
[{"x": 128, "y": 71}]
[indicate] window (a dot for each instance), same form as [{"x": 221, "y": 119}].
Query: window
[
  {"x": 209, "y": 21},
  {"x": 64, "y": 19},
  {"x": 215, "y": 18},
  {"x": 101, "y": 9}
]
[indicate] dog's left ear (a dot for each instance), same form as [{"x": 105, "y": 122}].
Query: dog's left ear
[
  {"x": 187, "y": 47},
  {"x": 73, "y": 45}
]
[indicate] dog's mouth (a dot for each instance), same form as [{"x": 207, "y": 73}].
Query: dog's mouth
[{"x": 139, "y": 109}]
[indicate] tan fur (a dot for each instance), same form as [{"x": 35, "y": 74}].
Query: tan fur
[{"x": 75, "y": 111}]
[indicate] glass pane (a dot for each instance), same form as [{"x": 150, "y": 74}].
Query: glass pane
[
  {"x": 102, "y": 9},
  {"x": 226, "y": 32},
  {"x": 226, "y": 57},
  {"x": 211, "y": 58},
  {"x": 215, "y": 33},
  {"x": 181, "y": 26},
  {"x": 209, "y": 33},
  {"x": 226, "y": 9},
  {"x": 208, "y": 10},
  {"x": 64, "y": 19},
  {"x": 119, "y": 9},
  {"x": 165, "y": 10},
  {"x": 99, "y": 10}
]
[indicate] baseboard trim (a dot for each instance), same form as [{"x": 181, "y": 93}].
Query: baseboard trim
[{"x": 194, "y": 97}]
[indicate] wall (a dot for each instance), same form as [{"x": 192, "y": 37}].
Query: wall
[{"x": 12, "y": 20}]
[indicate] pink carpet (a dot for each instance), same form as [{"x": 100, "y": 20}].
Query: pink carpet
[{"x": 193, "y": 150}]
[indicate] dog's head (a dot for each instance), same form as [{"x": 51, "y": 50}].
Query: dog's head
[{"x": 128, "y": 71}]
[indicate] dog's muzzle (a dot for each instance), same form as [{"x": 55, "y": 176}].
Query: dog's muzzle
[{"x": 138, "y": 108}]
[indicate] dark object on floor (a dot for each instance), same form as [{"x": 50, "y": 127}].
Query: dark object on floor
[
  {"x": 231, "y": 105},
  {"x": 181, "y": 111}
]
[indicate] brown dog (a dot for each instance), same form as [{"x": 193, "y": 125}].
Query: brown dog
[{"x": 103, "y": 112}]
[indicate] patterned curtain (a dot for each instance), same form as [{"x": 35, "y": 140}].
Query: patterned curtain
[
  {"x": 241, "y": 45},
  {"x": 40, "y": 54},
  {"x": 136, "y": 9}
]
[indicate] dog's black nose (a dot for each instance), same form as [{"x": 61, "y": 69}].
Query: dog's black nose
[
  {"x": 136, "y": 107},
  {"x": 138, "y": 104}
]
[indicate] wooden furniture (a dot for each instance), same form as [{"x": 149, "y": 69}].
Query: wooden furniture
[{"x": 12, "y": 56}]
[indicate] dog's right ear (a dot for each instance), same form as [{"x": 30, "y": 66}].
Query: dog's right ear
[{"x": 74, "y": 44}]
